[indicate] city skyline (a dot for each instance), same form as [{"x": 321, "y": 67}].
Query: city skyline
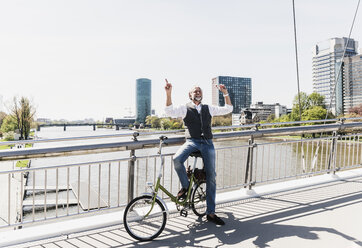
[{"x": 79, "y": 59}]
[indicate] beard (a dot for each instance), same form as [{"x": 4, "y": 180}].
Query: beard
[{"x": 197, "y": 98}]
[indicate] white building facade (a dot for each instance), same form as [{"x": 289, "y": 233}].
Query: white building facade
[
  {"x": 327, "y": 59},
  {"x": 352, "y": 78}
]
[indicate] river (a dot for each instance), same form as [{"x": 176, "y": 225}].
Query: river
[{"x": 270, "y": 162}]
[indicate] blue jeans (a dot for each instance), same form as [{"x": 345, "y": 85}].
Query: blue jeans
[{"x": 206, "y": 147}]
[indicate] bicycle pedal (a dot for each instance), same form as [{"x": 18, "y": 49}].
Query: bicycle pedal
[{"x": 183, "y": 213}]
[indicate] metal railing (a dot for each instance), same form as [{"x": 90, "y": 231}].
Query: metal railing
[{"x": 52, "y": 192}]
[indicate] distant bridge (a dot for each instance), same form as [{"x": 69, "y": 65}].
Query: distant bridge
[{"x": 65, "y": 125}]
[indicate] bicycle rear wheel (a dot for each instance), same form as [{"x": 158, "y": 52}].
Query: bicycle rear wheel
[
  {"x": 198, "y": 199},
  {"x": 141, "y": 222}
]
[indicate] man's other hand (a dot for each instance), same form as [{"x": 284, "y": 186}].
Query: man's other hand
[
  {"x": 222, "y": 88},
  {"x": 168, "y": 87}
]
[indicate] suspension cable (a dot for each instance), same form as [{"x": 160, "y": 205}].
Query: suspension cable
[
  {"x": 296, "y": 60},
  {"x": 340, "y": 66}
]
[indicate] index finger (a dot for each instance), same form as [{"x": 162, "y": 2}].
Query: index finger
[{"x": 166, "y": 80}]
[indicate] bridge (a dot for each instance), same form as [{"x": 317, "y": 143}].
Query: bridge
[
  {"x": 324, "y": 213},
  {"x": 272, "y": 191},
  {"x": 94, "y": 125}
]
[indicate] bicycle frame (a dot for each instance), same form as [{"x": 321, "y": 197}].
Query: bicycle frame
[{"x": 158, "y": 185}]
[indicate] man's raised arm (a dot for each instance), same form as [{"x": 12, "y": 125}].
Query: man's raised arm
[{"x": 168, "y": 89}]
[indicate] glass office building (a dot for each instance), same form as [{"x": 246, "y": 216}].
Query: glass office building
[
  {"x": 239, "y": 89},
  {"x": 143, "y": 99},
  {"x": 352, "y": 78},
  {"x": 327, "y": 59}
]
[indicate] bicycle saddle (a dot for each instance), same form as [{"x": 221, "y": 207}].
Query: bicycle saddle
[
  {"x": 196, "y": 154},
  {"x": 163, "y": 137}
]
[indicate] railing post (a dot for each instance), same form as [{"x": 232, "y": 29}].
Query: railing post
[
  {"x": 249, "y": 163},
  {"x": 332, "y": 153},
  {"x": 131, "y": 175}
]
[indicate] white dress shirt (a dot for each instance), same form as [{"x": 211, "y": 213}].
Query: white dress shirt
[{"x": 180, "y": 111}]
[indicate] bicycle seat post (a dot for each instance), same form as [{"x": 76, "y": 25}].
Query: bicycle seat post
[
  {"x": 162, "y": 139},
  {"x": 196, "y": 155}
]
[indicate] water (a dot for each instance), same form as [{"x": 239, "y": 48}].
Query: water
[
  {"x": 269, "y": 163},
  {"x": 114, "y": 194}
]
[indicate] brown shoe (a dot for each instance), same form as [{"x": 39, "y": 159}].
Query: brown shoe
[{"x": 182, "y": 194}]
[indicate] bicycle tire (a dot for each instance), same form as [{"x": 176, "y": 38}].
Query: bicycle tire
[
  {"x": 140, "y": 228},
  {"x": 198, "y": 199}
]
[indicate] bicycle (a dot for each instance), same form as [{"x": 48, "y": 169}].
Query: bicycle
[{"x": 145, "y": 216}]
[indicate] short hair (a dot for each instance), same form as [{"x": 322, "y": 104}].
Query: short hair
[{"x": 192, "y": 89}]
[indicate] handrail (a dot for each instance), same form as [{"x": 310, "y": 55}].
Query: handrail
[
  {"x": 173, "y": 131},
  {"x": 172, "y": 141}
]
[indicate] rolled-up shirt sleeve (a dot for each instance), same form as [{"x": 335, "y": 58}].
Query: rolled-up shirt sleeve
[
  {"x": 175, "y": 112},
  {"x": 217, "y": 110}
]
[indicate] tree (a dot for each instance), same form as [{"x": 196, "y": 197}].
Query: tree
[
  {"x": 2, "y": 117},
  {"x": 270, "y": 118},
  {"x": 224, "y": 120},
  {"x": 314, "y": 113},
  {"x": 165, "y": 123},
  {"x": 23, "y": 112},
  {"x": 308, "y": 107},
  {"x": 8, "y": 124},
  {"x": 357, "y": 110},
  {"x": 316, "y": 99},
  {"x": 153, "y": 121}
]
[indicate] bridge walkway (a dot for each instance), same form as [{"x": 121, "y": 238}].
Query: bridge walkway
[{"x": 324, "y": 215}]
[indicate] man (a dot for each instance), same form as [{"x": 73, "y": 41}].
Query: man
[{"x": 197, "y": 119}]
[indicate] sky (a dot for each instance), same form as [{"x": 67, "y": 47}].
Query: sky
[{"x": 78, "y": 59}]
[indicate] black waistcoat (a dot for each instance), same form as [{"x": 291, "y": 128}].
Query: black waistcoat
[{"x": 197, "y": 125}]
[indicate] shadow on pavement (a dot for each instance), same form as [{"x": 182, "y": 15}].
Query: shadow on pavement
[{"x": 237, "y": 230}]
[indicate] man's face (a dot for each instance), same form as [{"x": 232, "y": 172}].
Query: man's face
[{"x": 196, "y": 94}]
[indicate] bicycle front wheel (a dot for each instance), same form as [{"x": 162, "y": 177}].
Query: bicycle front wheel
[
  {"x": 142, "y": 220},
  {"x": 198, "y": 199}
]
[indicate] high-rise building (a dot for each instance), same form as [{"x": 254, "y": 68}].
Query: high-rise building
[
  {"x": 352, "y": 82},
  {"x": 327, "y": 59},
  {"x": 143, "y": 99},
  {"x": 239, "y": 89}
]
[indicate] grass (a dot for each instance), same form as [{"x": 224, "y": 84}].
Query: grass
[
  {"x": 4, "y": 147},
  {"x": 22, "y": 163}
]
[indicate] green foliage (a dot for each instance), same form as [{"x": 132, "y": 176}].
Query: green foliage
[
  {"x": 314, "y": 113},
  {"x": 2, "y": 117},
  {"x": 8, "y": 124},
  {"x": 171, "y": 123},
  {"x": 312, "y": 107},
  {"x": 316, "y": 99},
  {"x": 224, "y": 120},
  {"x": 166, "y": 123},
  {"x": 8, "y": 136},
  {"x": 176, "y": 125},
  {"x": 153, "y": 121},
  {"x": 23, "y": 112},
  {"x": 271, "y": 118},
  {"x": 22, "y": 163}
]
